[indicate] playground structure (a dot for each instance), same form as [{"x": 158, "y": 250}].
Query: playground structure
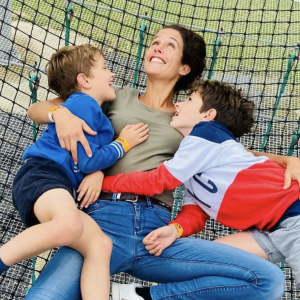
[{"x": 253, "y": 44}]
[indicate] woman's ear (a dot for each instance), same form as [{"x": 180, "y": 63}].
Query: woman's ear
[
  {"x": 184, "y": 70},
  {"x": 83, "y": 81},
  {"x": 210, "y": 115}
]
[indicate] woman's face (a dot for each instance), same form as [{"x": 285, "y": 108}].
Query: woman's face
[{"x": 163, "y": 57}]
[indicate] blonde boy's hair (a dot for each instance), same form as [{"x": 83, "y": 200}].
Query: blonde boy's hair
[{"x": 66, "y": 63}]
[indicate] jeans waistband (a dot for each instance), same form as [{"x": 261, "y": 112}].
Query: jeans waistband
[{"x": 130, "y": 197}]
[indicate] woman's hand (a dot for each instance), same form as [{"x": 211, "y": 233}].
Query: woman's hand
[
  {"x": 291, "y": 163},
  {"x": 69, "y": 130},
  {"x": 292, "y": 171},
  {"x": 90, "y": 188}
]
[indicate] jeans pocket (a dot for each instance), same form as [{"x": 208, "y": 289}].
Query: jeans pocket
[
  {"x": 162, "y": 213},
  {"x": 97, "y": 205}
]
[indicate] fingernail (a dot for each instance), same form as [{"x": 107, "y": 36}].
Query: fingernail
[{"x": 90, "y": 155}]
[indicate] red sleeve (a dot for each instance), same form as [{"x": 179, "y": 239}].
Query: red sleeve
[
  {"x": 148, "y": 183},
  {"x": 192, "y": 219}
]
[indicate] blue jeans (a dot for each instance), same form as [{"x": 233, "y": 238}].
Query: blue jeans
[{"x": 189, "y": 269}]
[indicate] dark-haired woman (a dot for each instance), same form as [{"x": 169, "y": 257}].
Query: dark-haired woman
[{"x": 190, "y": 268}]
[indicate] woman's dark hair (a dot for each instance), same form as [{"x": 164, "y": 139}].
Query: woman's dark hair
[{"x": 193, "y": 54}]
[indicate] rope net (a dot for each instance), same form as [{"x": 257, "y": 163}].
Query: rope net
[{"x": 252, "y": 44}]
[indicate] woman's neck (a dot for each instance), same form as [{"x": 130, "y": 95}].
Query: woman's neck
[{"x": 159, "y": 96}]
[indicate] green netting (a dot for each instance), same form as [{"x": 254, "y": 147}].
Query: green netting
[{"x": 250, "y": 44}]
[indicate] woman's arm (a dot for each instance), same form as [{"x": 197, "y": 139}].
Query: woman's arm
[
  {"x": 69, "y": 128},
  {"x": 38, "y": 112},
  {"x": 291, "y": 163}
]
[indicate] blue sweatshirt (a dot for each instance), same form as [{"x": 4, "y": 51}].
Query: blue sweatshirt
[{"x": 105, "y": 152}]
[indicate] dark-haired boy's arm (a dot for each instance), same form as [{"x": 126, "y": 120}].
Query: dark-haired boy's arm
[
  {"x": 184, "y": 165},
  {"x": 192, "y": 219}
]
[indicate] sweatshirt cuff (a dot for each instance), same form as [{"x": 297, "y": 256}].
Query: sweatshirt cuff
[{"x": 119, "y": 148}]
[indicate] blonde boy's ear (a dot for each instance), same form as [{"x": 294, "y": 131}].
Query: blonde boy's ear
[
  {"x": 185, "y": 70},
  {"x": 210, "y": 115},
  {"x": 83, "y": 81}
]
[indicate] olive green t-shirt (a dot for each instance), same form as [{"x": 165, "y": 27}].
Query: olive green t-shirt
[{"x": 161, "y": 145}]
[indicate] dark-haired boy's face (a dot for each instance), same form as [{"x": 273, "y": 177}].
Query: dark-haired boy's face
[{"x": 187, "y": 114}]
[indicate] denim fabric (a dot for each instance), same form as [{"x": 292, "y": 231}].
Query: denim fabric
[{"x": 189, "y": 269}]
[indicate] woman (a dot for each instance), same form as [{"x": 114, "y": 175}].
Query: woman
[{"x": 190, "y": 268}]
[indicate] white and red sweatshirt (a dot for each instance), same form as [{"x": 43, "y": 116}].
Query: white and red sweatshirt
[{"x": 221, "y": 180}]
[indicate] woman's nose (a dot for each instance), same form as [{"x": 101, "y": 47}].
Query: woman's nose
[{"x": 158, "y": 49}]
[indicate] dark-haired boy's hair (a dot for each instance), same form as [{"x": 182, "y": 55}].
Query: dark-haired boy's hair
[
  {"x": 193, "y": 55},
  {"x": 66, "y": 63},
  {"x": 233, "y": 109}
]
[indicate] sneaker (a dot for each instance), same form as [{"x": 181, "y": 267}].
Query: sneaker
[{"x": 125, "y": 291}]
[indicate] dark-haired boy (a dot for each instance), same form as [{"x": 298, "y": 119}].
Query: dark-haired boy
[{"x": 221, "y": 179}]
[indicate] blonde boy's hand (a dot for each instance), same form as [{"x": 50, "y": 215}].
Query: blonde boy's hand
[
  {"x": 159, "y": 239},
  {"x": 90, "y": 188},
  {"x": 135, "y": 134}
]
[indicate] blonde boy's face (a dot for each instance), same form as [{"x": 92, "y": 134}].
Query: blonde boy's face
[
  {"x": 101, "y": 80},
  {"x": 187, "y": 114}
]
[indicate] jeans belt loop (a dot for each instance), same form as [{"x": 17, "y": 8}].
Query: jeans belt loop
[
  {"x": 114, "y": 197},
  {"x": 149, "y": 204}
]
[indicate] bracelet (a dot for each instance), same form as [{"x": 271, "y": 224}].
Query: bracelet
[
  {"x": 124, "y": 143},
  {"x": 179, "y": 229},
  {"x": 51, "y": 112}
]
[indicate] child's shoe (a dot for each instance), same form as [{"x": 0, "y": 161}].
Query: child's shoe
[{"x": 125, "y": 291}]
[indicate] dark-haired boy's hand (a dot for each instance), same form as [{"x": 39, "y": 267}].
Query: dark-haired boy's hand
[{"x": 160, "y": 239}]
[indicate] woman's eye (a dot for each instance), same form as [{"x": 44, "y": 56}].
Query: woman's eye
[{"x": 171, "y": 45}]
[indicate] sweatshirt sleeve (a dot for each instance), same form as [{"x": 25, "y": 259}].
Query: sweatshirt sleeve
[
  {"x": 103, "y": 156},
  {"x": 187, "y": 162},
  {"x": 192, "y": 219},
  {"x": 143, "y": 183}
]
